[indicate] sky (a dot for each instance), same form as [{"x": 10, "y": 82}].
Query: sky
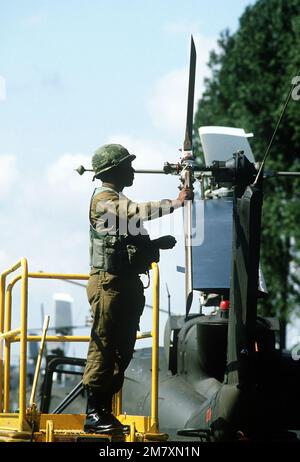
[{"x": 75, "y": 75}]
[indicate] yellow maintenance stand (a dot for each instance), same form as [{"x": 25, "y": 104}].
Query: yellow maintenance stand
[{"x": 30, "y": 425}]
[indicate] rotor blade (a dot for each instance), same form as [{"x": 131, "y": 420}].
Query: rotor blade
[
  {"x": 188, "y": 140},
  {"x": 160, "y": 309},
  {"x": 75, "y": 283},
  {"x": 187, "y": 218},
  {"x": 38, "y": 329},
  {"x": 148, "y": 171},
  {"x": 187, "y": 148}
]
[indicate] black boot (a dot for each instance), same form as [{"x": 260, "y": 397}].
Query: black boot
[{"x": 99, "y": 417}]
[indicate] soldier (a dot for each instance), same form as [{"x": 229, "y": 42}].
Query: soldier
[{"x": 120, "y": 250}]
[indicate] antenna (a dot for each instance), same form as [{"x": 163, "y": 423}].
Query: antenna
[
  {"x": 274, "y": 132},
  {"x": 169, "y": 300}
]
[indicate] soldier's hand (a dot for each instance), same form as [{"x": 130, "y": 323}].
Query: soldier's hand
[
  {"x": 186, "y": 194},
  {"x": 166, "y": 242}
]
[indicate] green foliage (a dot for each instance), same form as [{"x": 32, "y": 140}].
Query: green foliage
[{"x": 251, "y": 77}]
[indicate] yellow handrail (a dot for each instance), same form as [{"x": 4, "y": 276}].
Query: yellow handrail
[
  {"x": 8, "y": 305},
  {"x": 2, "y": 290},
  {"x": 6, "y": 310},
  {"x": 155, "y": 339},
  {"x": 10, "y": 334},
  {"x": 20, "y": 335},
  {"x": 3, "y": 276},
  {"x": 65, "y": 338},
  {"x": 23, "y": 346}
]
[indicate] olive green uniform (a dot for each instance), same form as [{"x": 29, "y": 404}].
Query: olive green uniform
[{"x": 115, "y": 291}]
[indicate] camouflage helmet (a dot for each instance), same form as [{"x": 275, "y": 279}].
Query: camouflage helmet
[{"x": 109, "y": 156}]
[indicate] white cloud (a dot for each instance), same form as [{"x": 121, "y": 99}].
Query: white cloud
[
  {"x": 149, "y": 154},
  {"x": 62, "y": 177},
  {"x": 168, "y": 104},
  {"x": 49, "y": 212},
  {"x": 8, "y": 173}
]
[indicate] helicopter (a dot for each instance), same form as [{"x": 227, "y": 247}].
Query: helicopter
[{"x": 223, "y": 376}]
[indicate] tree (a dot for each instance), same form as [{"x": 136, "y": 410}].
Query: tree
[{"x": 251, "y": 77}]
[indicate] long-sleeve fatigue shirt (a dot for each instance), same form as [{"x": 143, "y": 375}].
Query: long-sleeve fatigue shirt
[{"x": 113, "y": 213}]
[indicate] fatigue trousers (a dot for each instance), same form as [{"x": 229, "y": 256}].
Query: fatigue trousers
[{"x": 117, "y": 302}]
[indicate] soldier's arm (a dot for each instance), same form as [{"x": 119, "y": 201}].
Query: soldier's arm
[
  {"x": 156, "y": 209},
  {"x": 110, "y": 202}
]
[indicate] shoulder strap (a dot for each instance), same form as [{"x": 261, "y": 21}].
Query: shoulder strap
[{"x": 97, "y": 191}]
